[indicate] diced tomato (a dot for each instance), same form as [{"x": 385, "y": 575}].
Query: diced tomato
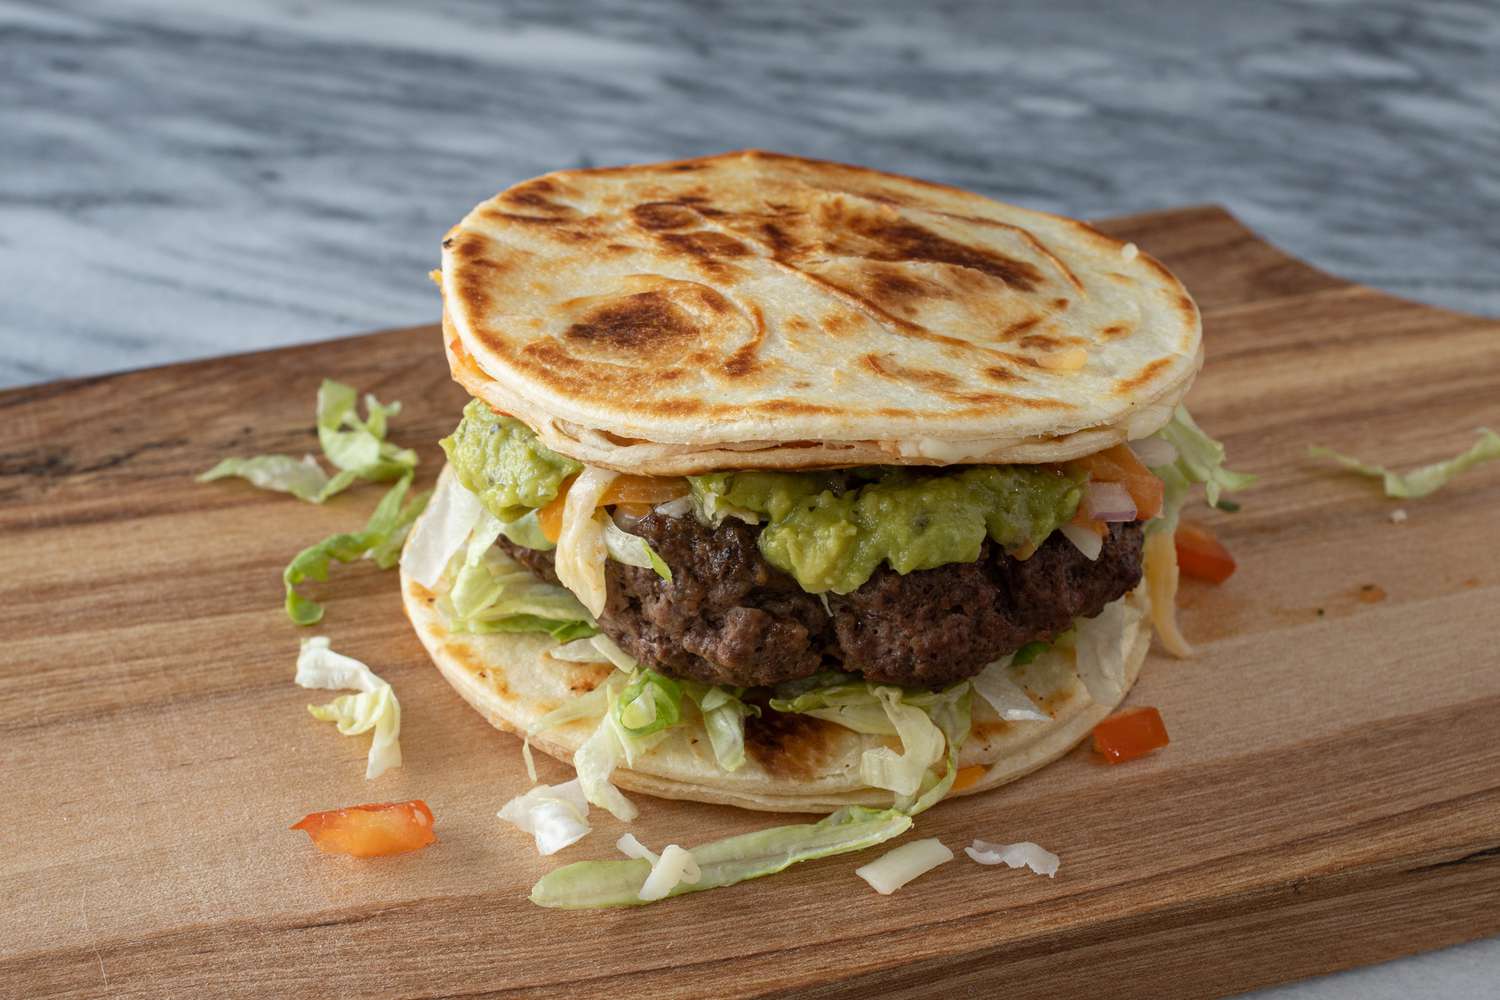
[
  {"x": 643, "y": 489},
  {"x": 371, "y": 831},
  {"x": 966, "y": 777},
  {"x": 1127, "y": 735},
  {"x": 549, "y": 517},
  {"x": 638, "y": 493},
  {"x": 1119, "y": 465},
  {"x": 1200, "y": 555}
]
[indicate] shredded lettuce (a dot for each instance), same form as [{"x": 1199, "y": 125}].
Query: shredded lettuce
[
  {"x": 493, "y": 593},
  {"x": 598, "y": 648},
  {"x": 633, "y": 550},
  {"x": 373, "y": 707},
  {"x": 562, "y": 631},
  {"x": 710, "y": 507},
  {"x": 526, "y": 531},
  {"x": 790, "y": 690},
  {"x": 380, "y": 540},
  {"x": 452, "y": 516},
  {"x": 597, "y": 758},
  {"x": 359, "y": 446},
  {"x": 1200, "y": 459},
  {"x": 922, "y": 745},
  {"x": 650, "y": 703},
  {"x": 724, "y": 715},
  {"x": 1009, "y": 700},
  {"x": 593, "y": 704},
  {"x": 639, "y": 707},
  {"x": 723, "y": 862},
  {"x": 556, "y": 815},
  {"x": 1029, "y": 652},
  {"x": 356, "y": 447},
  {"x": 1102, "y": 649},
  {"x": 303, "y": 478},
  {"x": 925, "y": 722},
  {"x": 1419, "y": 482}
]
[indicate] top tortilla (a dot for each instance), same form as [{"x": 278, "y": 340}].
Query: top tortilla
[{"x": 757, "y": 310}]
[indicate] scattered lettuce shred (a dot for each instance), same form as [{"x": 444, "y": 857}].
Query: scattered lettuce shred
[
  {"x": 380, "y": 541},
  {"x": 1419, "y": 482},
  {"x": 1200, "y": 459},
  {"x": 557, "y": 816},
  {"x": 589, "y": 884},
  {"x": 355, "y": 446},
  {"x": 373, "y": 707}
]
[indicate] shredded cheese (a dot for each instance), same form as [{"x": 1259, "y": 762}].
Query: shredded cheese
[
  {"x": 1161, "y": 587},
  {"x": 581, "y": 552}
]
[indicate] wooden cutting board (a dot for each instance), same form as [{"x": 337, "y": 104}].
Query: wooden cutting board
[{"x": 1331, "y": 795}]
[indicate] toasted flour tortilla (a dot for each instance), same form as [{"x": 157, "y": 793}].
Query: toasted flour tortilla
[
  {"x": 753, "y": 310},
  {"x": 794, "y": 763}
]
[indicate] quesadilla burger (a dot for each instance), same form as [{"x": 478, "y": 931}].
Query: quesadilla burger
[{"x": 795, "y": 485}]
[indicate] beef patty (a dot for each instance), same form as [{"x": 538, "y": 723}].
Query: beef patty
[{"x": 730, "y": 617}]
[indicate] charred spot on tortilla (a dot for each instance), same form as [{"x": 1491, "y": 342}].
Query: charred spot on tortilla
[
  {"x": 790, "y": 746},
  {"x": 645, "y": 318}
]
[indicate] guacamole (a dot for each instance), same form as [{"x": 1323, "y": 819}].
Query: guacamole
[
  {"x": 500, "y": 460},
  {"x": 831, "y": 530}
]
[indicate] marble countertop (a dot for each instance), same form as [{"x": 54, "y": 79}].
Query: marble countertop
[{"x": 181, "y": 179}]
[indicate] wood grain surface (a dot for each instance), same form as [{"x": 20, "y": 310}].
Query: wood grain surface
[{"x": 1331, "y": 795}]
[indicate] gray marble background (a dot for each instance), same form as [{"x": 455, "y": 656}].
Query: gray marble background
[{"x": 180, "y": 179}]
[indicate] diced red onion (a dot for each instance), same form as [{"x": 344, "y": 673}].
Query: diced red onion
[
  {"x": 1108, "y": 502},
  {"x": 1154, "y": 452}
]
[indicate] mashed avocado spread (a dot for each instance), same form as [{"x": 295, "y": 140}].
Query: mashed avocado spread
[
  {"x": 500, "y": 460},
  {"x": 832, "y": 530}
]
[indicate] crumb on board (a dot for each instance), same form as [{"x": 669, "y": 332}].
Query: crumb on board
[
  {"x": 1371, "y": 593},
  {"x": 1398, "y": 515}
]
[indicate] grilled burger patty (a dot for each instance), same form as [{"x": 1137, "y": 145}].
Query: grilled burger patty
[{"x": 730, "y": 617}]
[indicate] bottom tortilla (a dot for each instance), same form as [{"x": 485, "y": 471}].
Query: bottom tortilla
[{"x": 794, "y": 763}]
